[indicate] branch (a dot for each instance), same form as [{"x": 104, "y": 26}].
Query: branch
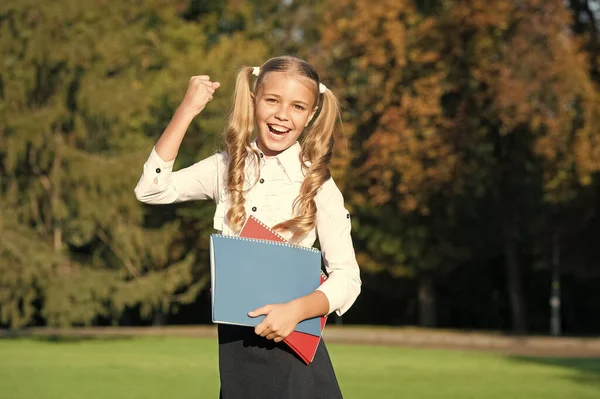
[{"x": 126, "y": 261}]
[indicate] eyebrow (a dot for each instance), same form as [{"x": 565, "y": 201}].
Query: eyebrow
[{"x": 295, "y": 101}]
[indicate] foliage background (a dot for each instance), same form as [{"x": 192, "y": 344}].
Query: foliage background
[{"x": 469, "y": 156}]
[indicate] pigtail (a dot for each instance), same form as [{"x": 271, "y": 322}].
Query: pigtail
[
  {"x": 317, "y": 150},
  {"x": 237, "y": 140}
]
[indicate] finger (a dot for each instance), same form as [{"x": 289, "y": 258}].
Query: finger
[
  {"x": 210, "y": 98},
  {"x": 267, "y": 331},
  {"x": 206, "y": 83},
  {"x": 272, "y": 336},
  {"x": 208, "y": 88},
  {"x": 262, "y": 329},
  {"x": 216, "y": 85},
  {"x": 200, "y": 77},
  {"x": 197, "y": 83},
  {"x": 260, "y": 311},
  {"x": 278, "y": 339}
]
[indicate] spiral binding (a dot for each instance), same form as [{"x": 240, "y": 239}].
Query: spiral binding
[
  {"x": 280, "y": 237},
  {"x": 283, "y": 244}
]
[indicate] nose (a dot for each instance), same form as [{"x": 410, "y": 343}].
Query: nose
[{"x": 281, "y": 114}]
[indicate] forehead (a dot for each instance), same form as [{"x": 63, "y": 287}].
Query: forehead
[{"x": 291, "y": 86}]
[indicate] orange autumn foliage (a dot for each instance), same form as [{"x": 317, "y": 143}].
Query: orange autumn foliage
[{"x": 515, "y": 65}]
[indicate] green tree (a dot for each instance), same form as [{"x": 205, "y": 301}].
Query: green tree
[{"x": 86, "y": 90}]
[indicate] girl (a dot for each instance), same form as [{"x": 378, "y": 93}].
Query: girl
[{"x": 285, "y": 185}]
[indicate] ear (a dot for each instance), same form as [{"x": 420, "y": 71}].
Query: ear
[{"x": 311, "y": 116}]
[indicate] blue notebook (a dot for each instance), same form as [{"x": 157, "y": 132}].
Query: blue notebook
[{"x": 249, "y": 273}]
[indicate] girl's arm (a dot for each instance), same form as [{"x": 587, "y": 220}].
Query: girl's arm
[
  {"x": 334, "y": 231},
  {"x": 158, "y": 184},
  {"x": 200, "y": 91},
  {"x": 282, "y": 318},
  {"x": 339, "y": 291}
]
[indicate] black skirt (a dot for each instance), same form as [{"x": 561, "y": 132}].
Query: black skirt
[{"x": 251, "y": 367}]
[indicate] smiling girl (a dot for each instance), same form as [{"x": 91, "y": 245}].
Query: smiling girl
[{"x": 284, "y": 184}]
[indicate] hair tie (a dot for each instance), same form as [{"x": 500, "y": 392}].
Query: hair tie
[
  {"x": 256, "y": 71},
  {"x": 322, "y": 88}
]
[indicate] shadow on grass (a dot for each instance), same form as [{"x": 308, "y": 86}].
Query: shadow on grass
[
  {"x": 59, "y": 339},
  {"x": 587, "y": 369}
]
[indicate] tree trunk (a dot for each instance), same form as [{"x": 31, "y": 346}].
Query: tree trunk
[
  {"x": 159, "y": 318},
  {"x": 427, "y": 303},
  {"x": 55, "y": 187},
  {"x": 514, "y": 286},
  {"x": 57, "y": 238}
]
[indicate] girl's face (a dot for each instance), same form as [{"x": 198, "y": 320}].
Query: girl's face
[{"x": 284, "y": 105}]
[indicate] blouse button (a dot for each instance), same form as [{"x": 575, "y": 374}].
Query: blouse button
[
  {"x": 348, "y": 216},
  {"x": 253, "y": 209},
  {"x": 262, "y": 155},
  {"x": 262, "y": 181},
  {"x": 157, "y": 170}
]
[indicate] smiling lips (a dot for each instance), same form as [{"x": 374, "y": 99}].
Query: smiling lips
[{"x": 278, "y": 129}]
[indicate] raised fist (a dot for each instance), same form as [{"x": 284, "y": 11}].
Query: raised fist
[{"x": 200, "y": 91}]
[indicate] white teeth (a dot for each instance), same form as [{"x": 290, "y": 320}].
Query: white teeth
[{"x": 279, "y": 129}]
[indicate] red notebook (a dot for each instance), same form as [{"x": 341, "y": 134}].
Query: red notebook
[{"x": 305, "y": 345}]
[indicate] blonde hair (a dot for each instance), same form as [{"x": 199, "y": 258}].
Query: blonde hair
[{"x": 317, "y": 145}]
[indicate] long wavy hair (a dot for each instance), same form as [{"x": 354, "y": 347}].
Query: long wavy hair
[{"x": 317, "y": 144}]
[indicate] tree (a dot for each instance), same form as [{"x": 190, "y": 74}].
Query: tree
[
  {"x": 482, "y": 116},
  {"x": 542, "y": 108},
  {"x": 86, "y": 91},
  {"x": 585, "y": 24},
  {"x": 384, "y": 59}
]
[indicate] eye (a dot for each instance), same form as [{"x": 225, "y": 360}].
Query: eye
[
  {"x": 299, "y": 107},
  {"x": 271, "y": 100}
]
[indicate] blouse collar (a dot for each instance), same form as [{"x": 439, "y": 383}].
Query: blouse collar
[{"x": 289, "y": 159}]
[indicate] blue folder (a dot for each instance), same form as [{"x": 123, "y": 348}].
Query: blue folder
[{"x": 249, "y": 273}]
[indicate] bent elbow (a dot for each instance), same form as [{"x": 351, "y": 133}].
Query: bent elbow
[
  {"x": 140, "y": 195},
  {"x": 145, "y": 196},
  {"x": 355, "y": 287},
  {"x": 351, "y": 292}
]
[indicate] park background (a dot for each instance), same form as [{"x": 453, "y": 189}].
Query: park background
[{"x": 469, "y": 160}]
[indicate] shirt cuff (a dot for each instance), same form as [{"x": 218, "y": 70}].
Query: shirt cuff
[
  {"x": 157, "y": 170},
  {"x": 155, "y": 178},
  {"x": 156, "y": 162},
  {"x": 341, "y": 292}
]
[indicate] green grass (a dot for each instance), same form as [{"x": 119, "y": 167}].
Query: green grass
[{"x": 186, "y": 368}]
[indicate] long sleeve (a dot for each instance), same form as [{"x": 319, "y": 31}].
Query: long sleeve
[
  {"x": 333, "y": 228},
  {"x": 160, "y": 185}
]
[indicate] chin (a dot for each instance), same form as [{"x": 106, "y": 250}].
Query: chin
[{"x": 277, "y": 144}]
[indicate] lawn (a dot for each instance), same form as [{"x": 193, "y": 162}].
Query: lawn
[{"x": 186, "y": 368}]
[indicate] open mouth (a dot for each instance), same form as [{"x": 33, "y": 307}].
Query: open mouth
[{"x": 278, "y": 130}]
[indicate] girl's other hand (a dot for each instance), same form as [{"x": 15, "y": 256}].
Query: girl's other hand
[
  {"x": 281, "y": 320},
  {"x": 200, "y": 91}
]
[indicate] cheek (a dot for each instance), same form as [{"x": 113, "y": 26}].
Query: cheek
[
  {"x": 301, "y": 121},
  {"x": 260, "y": 113}
]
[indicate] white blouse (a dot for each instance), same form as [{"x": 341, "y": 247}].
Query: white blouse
[{"x": 270, "y": 200}]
